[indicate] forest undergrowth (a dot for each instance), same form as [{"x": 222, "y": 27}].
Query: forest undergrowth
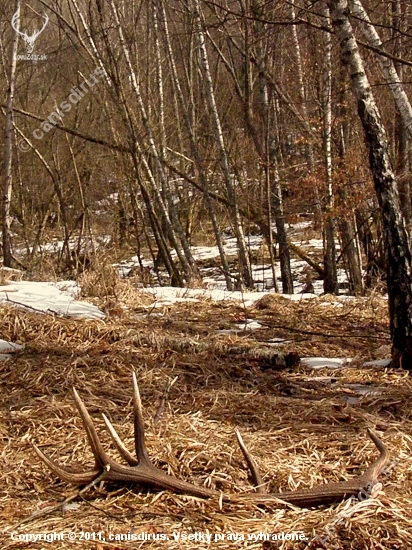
[{"x": 302, "y": 426}]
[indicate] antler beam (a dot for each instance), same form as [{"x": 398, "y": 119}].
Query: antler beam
[{"x": 141, "y": 470}]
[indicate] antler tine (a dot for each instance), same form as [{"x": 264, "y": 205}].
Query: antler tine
[
  {"x": 374, "y": 470},
  {"x": 76, "y": 478},
  {"x": 99, "y": 454},
  {"x": 129, "y": 458},
  {"x": 253, "y": 467},
  {"x": 139, "y": 436}
]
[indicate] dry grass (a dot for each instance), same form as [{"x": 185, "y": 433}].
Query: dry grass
[{"x": 302, "y": 430}]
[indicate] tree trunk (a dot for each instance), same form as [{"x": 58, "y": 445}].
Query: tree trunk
[
  {"x": 244, "y": 261},
  {"x": 195, "y": 150},
  {"x": 387, "y": 66},
  {"x": 347, "y": 225},
  {"x": 8, "y": 153},
  {"x": 271, "y": 160},
  {"x": 399, "y": 268},
  {"x": 330, "y": 282},
  {"x": 317, "y": 208},
  {"x": 174, "y": 227}
]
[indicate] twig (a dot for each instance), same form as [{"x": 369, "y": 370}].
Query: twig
[
  {"x": 162, "y": 403},
  {"x": 324, "y": 334},
  {"x": 50, "y": 509}
]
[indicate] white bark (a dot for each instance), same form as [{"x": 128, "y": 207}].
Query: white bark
[
  {"x": 186, "y": 258},
  {"x": 194, "y": 148},
  {"x": 387, "y": 66},
  {"x": 399, "y": 267},
  {"x": 8, "y": 147},
  {"x": 330, "y": 283},
  {"x": 243, "y": 255}
]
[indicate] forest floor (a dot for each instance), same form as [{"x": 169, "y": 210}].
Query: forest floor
[{"x": 303, "y": 426}]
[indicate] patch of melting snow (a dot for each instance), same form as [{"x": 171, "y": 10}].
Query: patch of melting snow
[
  {"x": 46, "y": 297},
  {"x": 323, "y": 379},
  {"x": 6, "y": 348},
  {"x": 299, "y": 226},
  {"x": 174, "y": 294},
  {"x": 148, "y": 315},
  {"x": 126, "y": 265},
  {"x": 274, "y": 342},
  {"x": 170, "y": 295},
  {"x": 321, "y": 362},
  {"x": 378, "y": 363},
  {"x": 250, "y": 324},
  {"x": 335, "y": 304},
  {"x": 313, "y": 243},
  {"x": 362, "y": 389},
  {"x": 261, "y": 273}
]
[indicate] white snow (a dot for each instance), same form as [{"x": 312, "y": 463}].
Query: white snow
[
  {"x": 321, "y": 362},
  {"x": 299, "y": 226},
  {"x": 262, "y": 274},
  {"x": 249, "y": 324},
  {"x": 378, "y": 363},
  {"x": 9, "y": 347},
  {"x": 171, "y": 294},
  {"x": 6, "y": 348},
  {"x": 363, "y": 390},
  {"x": 58, "y": 298}
]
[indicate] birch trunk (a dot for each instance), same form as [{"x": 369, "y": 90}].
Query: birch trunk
[
  {"x": 194, "y": 148},
  {"x": 348, "y": 226},
  {"x": 8, "y": 147},
  {"x": 399, "y": 268},
  {"x": 271, "y": 160},
  {"x": 387, "y": 66},
  {"x": 330, "y": 282},
  {"x": 136, "y": 149},
  {"x": 302, "y": 98},
  {"x": 174, "y": 226},
  {"x": 402, "y": 136}
]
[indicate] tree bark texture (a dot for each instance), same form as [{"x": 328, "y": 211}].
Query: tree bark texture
[
  {"x": 8, "y": 153},
  {"x": 399, "y": 268}
]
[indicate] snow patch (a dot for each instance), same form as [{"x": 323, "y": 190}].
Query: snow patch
[
  {"x": 6, "y": 348},
  {"x": 58, "y": 298},
  {"x": 321, "y": 362}
]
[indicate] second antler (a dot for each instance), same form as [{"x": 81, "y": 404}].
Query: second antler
[{"x": 141, "y": 470}]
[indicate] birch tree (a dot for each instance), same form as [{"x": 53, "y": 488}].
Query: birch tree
[
  {"x": 330, "y": 284},
  {"x": 8, "y": 153},
  {"x": 387, "y": 65},
  {"x": 399, "y": 267},
  {"x": 194, "y": 148},
  {"x": 245, "y": 267},
  {"x": 393, "y": 76}
]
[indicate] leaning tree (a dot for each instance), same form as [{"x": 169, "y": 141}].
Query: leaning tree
[{"x": 399, "y": 262}]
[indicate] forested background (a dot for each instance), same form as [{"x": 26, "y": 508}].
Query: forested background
[{"x": 156, "y": 125}]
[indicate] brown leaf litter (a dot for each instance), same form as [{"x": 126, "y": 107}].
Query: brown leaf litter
[{"x": 303, "y": 427}]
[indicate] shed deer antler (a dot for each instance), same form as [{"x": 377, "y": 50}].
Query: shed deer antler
[{"x": 141, "y": 469}]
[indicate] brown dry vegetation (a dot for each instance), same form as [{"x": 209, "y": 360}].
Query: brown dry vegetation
[{"x": 302, "y": 430}]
